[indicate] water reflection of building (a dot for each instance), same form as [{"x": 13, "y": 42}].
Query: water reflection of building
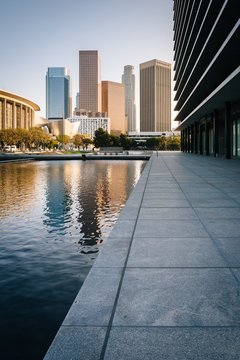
[
  {"x": 84, "y": 199},
  {"x": 18, "y": 184},
  {"x": 58, "y": 196}
]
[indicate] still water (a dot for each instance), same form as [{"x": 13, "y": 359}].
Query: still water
[{"x": 53, "y": 218}]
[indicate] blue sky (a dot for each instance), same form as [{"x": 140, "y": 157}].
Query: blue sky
[{"x": 36, "y": 35}]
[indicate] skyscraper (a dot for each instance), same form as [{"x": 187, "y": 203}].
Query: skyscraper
[
  {"x": 128, "y": 78},
  {"x": 113, "y": 103},
  {"x": 155, "y": 96},
  {"x": 58, "y": 93},
  {"x": 90, "y": 80}
]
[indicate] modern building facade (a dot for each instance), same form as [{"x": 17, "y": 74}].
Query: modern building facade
[
  {"x": 155, "y": 96},
  {"x": 90, "y": 80},
  {"x": 113, "y": 103},
  {"x": 16, "y": 111},
  {"x": 207, "y": 76},
  {"x": 78, "y": 125},
  {"x": 58, "y": 94},
  {"x": 88, "y": 125},
  {"x": 128, "y": 79}
]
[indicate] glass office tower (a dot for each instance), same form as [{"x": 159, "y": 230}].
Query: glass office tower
[{"x": 58, "y": 94}]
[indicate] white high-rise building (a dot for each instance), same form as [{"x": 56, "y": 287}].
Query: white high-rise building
[{"x": 128, "y": 78}]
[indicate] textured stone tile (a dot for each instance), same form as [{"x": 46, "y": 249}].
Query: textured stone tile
[
  {"x": 165, "y": 203},
  {"x": 167, "y": 214},
  {"x": 122, "y": 229},
  {"x": 170, "y": 228},
  {"x": 173, "y": 344},
  {"x": 129, "y": 212},
  {"x": 175, "y": 252},
  {"x": 223, "y": 227},
  {"x": 168, "y": 195},
  {"x": 206, "y": 202},
  {"x": 208, "y": 195},
  {"x": 113, "y": 253},
  {"x": 77, "y": 343},
  {"x": 94, "y": 302},
  {"x": 178, "y": 297},
  {"x": 230, "y": 249},
  {"x": 218, "y": 213}
]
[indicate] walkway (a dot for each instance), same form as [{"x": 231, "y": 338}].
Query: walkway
[{"x": 167, "y": 282}]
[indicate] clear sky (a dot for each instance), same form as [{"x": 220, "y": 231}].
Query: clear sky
[{"x": 37, "y": 34}]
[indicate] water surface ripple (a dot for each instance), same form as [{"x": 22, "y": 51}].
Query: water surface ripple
[{"x": 53, "y": 218}]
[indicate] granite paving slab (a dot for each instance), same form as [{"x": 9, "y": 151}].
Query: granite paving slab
[
  {"x": 178, "y": 297},
  {"x": 147, "y": 343},
  {"x": 175, "y": 252},
  {"x": 77, "y": 343}
]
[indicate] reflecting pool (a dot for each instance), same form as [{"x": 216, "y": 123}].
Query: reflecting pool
[{"x": 53, "y": 218}]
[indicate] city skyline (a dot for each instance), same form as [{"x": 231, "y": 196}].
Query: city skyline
[{"x": 54, "y": 45}]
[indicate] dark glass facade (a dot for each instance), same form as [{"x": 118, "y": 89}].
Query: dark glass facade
[
  {"x": 207, "y": 76},
  {"x": 58, "y": 94}
]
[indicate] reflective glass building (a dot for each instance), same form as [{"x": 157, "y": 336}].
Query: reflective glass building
[
  {"x": 207, "y": 76},
  {"x": 58, "y": 94}
]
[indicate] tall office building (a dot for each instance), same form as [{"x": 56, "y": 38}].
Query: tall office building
[
  {"x": 207, "y": 76},
  {"x": 90, "y": 80},
  {"x": 77, "y": 101},
  {"x": 58, "y": 94},
  {"x": 155, "y": 96},
  {"x": 113, "y": 103},
  {"x": 128, "y": 78}
]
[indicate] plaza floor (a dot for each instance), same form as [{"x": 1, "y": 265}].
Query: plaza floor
[{"x": 166, "y": 284}]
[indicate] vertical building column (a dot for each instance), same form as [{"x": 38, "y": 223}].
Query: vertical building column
[
  {"x": 30, "y": 118},
  {"x": 200, "y": 140},
  {"x": 188, "y": 139},
  {"x": 21, "y": 117},
  {"x": 228, "y": 125},
  {"x": 185, "y": 141},
  {"x": 14, "y": 115},
  {"x": 192, "y": 138},
  {"x": 4, "y": 120},
  {"x": 195, "y": 138},
  {"x": 216, "y": 133},
  {"x": 182, "y": 136},
  {"x": 207, "y": 137}
]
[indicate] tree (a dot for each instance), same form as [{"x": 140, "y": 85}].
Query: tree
[
  {"x": 87, "y": 141},
  {"x": 173, "y": 142},
  {"x": 114, "y": 140},
  {"x": 153, "y": 143},
  {"x": 101, "y": 138},
  {"x": 78, "y": 140},
  {"x": 65, "y": 139},
  {"x": 125, "y": 142}
]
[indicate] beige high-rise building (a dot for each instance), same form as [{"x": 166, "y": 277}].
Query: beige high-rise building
[
  {"x": 113, "y": 103},
  {"x": 155, "y": 96},
  {"x": 90, "y": 80}
]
